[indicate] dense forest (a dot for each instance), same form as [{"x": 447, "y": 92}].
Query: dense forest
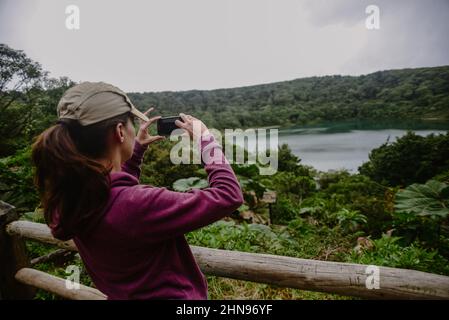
[
  {"x": 409, "y": 93},
  {"x": 394, "y": 212}
]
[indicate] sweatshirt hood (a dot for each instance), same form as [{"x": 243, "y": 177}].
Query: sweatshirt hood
[{"x": 117, "y": 180}]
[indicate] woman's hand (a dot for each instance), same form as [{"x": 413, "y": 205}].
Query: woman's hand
[
  {"x": 143, "y": 137},
  {"x": 188, "y": 123}
]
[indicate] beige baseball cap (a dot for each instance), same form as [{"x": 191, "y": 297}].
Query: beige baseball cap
[{"x": 92, "y": 102}]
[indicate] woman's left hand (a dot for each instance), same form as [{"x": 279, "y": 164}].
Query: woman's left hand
[{"x": 143, "y": 137}]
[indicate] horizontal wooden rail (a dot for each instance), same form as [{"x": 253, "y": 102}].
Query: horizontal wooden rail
[
  {"x": 45, "y": 281},
  {"x": 39, "y": 232},
  {"x": 333, "y": 277}
]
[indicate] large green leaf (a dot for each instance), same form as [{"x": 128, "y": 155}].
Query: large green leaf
[
  {"x": 424, "y": 199},
  {"x": 189, "y": 183},
  {"x": 246, "y": 170},
  {"x": 252, "y": 185}
]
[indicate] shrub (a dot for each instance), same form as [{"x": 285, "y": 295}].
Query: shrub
[
  {"x": 421, "y": 212},
  {"x": 386, "y": 251},
  {"x": 284, "y": 210},
  {"x": 411, "y": 159}
]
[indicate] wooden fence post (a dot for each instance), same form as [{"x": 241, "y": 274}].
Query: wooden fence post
[{"x": 13, "y": 257}]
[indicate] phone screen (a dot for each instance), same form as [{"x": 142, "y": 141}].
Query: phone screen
[{"x": 166, "y": 125}]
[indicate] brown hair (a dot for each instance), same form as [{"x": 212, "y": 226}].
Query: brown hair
[{"x": 69, "y": 178}]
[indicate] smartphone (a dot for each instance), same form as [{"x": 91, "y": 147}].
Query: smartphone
[{"x": 166, "y": 125}]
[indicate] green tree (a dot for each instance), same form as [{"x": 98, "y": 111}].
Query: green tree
[
  {"x": 411, "y": 159},
  {"x": 20, "y": 93}
]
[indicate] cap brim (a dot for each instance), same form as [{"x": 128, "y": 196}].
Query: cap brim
[{"x": 139, "y": 114}]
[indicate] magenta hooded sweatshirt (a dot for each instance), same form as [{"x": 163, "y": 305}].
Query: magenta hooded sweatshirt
[{"x": 138, "y": 249}]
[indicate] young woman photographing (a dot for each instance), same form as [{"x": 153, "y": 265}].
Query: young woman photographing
[{"x": 130, "y": 236}]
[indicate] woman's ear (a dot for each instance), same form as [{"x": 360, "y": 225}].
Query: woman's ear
[{"x": 119, "y": 132}]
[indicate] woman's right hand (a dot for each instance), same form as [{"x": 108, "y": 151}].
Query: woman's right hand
[{"x": 189, "y": 122}]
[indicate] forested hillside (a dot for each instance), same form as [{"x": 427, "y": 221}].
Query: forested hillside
[{"x": 408, "y": 93}]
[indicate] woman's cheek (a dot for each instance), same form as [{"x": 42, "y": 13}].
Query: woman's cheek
[{"x": 131, "y": 148}]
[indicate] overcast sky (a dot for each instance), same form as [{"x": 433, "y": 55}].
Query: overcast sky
[{"x": 205, "y": 44}]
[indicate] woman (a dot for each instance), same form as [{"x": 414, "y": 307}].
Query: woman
[{"x": 130, "y": 236}]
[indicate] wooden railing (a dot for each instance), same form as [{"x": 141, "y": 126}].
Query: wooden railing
[{"x": 18, "y": 280}]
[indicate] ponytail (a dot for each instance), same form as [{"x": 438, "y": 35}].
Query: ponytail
[{"x": 73, "y": 185}]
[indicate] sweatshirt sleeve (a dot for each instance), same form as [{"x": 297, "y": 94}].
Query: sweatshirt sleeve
[
  {"x": 132, "y": 166},
  {"x": 155, "y": 214}
]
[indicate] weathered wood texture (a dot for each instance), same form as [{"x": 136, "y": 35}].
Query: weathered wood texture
[
  {"x": 314, "y": 275},
  {"x": 45, "y": 281},
  {"x": 13, "y": 256},
  {"x": 39, "y": 232}
]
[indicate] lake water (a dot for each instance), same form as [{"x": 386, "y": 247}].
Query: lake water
[{"x": 346, "y": 145}]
